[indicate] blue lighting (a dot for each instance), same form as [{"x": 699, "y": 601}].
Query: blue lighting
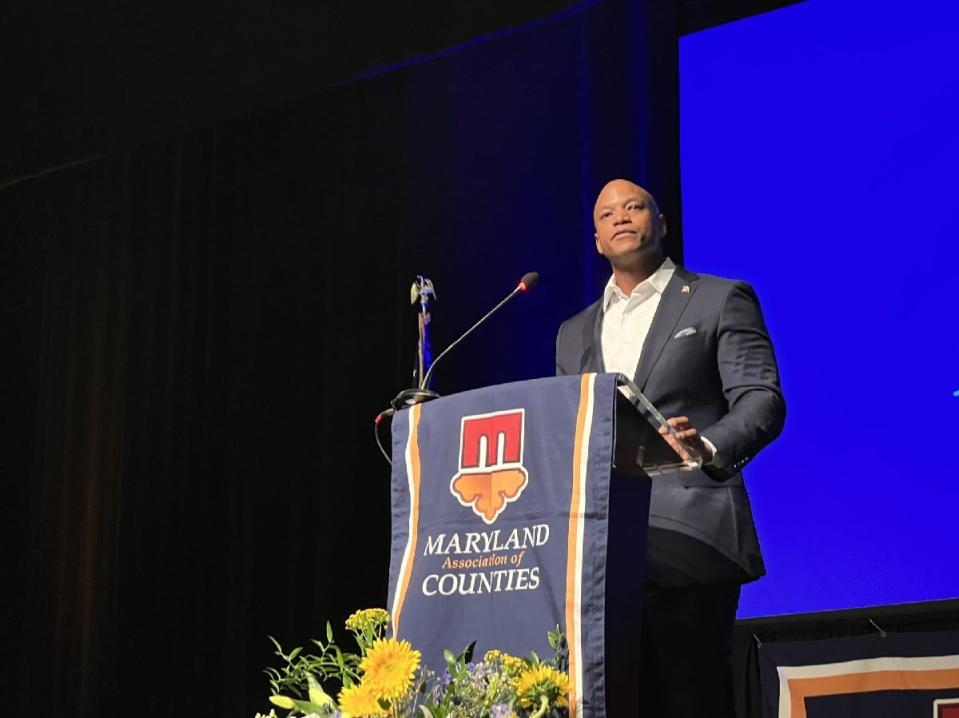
[{"x": 819, "y": 149}]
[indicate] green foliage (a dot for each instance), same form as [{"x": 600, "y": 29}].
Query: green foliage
[
  {"x": 557, "y": 641},
  {"x": 467, "y": 689},
  {"x": 299, "y": 669},
  {"x": 366, "y": 626}
]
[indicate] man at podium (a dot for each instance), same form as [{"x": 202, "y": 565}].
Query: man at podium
[{"x": 697, "y": 347}]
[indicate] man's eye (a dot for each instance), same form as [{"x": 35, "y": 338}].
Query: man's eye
[{"x": 634, "y": 205}]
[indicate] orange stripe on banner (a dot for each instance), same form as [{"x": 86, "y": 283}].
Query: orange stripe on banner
[
  {"x": 414, "y": 448},
  {"x": 802, "y": 688},
  {"x": 572, "y": 570}
]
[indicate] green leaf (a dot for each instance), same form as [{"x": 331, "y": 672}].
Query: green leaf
[
  {"x": 425, "y": 712},
  {"x": 294, "y": 653},
  {"x": 317, "y": 695},
  {"x": 468, "y": 652},
  {"x": 449, "y": 658},
  {"x": 283, "y": 702},
  {"x": 307, "y": 708},
  {"x": 329, "y": 632}
]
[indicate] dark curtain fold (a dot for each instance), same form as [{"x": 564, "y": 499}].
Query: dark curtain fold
[{"x": 201, "y": 329}]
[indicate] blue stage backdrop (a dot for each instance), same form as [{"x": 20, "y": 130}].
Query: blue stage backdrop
[{"x": 819, "y": 155}]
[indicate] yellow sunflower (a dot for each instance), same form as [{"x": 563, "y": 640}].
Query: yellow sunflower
[
  {"x": 389, "y": 666},
  {"x": 542, "y": 681},
  {"x": 360, "y": 701}
]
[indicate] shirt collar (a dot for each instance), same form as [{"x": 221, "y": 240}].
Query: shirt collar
[{"x": 657, "y": 281}]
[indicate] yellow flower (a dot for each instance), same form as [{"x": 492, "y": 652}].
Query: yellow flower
[
  {"x": 388, "y": 667},
  {"x": 368, "y": 619},
  {"x": 511, "y": 665},
  {"x": 539, "y": 681},
  {"x": 360, "y": 701}
]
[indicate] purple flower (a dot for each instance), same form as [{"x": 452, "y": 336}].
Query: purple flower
[{"x": 446, "y": 680}]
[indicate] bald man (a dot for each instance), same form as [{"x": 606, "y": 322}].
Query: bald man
[{"x": 698, "y": 348}]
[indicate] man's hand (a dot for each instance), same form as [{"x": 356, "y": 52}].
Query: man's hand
[{"x": 693, "y": 448}]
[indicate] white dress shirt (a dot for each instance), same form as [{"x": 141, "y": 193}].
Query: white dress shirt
[{"x": 626, "y": 320}]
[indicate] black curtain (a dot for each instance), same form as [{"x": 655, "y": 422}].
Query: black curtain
[{"x": 201, "y": 329}]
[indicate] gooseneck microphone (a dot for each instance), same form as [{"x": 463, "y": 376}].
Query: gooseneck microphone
[
  {"x": 408, "y": 397},
  {"x": 526, "y": 283}
]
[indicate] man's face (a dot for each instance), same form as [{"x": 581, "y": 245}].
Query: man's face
[{"x": 628, "y": 224}]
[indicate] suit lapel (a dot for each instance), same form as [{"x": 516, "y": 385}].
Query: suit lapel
[
  {"x": 592, "y": 359},
  {"x": 671, "y": 306}
]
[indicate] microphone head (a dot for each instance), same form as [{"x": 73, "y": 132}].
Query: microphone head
[{"x": 528, "y": 281}]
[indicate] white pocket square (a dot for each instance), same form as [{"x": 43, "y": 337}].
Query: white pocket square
[{"x": 687, "y": 332}]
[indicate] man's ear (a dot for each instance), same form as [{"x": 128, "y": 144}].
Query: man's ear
[
  {"x": 662, "y": 225},
  {"x": 599, "y": 249}
]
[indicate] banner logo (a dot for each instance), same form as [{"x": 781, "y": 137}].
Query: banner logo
[{"x": 491, "y": 471}]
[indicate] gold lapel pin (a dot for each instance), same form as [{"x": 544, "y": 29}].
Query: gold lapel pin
[{"x": 685, "y": 289}]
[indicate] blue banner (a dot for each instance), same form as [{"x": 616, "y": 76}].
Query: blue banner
[{"x": 500, "y": 506}]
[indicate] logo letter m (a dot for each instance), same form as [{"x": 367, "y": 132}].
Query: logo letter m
[{"x": 491, "y": 463}]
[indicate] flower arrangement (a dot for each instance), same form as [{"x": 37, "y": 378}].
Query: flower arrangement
[{"x": 386, "y": 680}]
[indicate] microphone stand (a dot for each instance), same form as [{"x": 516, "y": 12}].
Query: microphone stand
[{"x": 422, "y": 392}]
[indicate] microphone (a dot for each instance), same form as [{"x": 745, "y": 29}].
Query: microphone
[
  {"x": 528, "y": 281},
  {"x": 408, "y": 397}
]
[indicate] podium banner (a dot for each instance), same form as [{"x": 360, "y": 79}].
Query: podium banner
[{"x": 500, "y": 504}]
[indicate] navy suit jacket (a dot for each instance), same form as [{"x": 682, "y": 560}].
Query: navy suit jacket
[{"x": 720, "y": 372}]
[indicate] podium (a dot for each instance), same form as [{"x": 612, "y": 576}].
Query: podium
[{"x": 524, "y": 506}]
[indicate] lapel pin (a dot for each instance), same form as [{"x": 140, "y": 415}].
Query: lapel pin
[{"x": 685, "y": 289}]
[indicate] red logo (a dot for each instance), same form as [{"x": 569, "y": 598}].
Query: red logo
[{"x": 491, "y": 471}]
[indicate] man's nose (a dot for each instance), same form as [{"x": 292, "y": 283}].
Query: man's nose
[{"x": 621, "y": 216}]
